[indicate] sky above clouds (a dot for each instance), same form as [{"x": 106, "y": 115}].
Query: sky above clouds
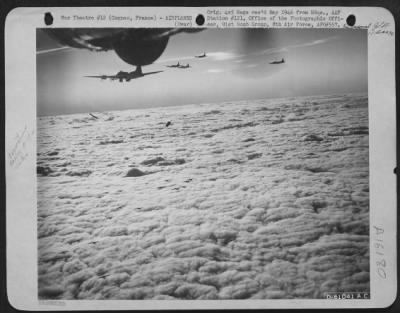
[{"x": 318, "y": 61}]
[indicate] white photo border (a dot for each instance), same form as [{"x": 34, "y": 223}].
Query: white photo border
[{"x": 21, "y": 211}]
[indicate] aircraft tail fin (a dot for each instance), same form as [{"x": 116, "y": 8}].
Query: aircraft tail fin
[{"x": 138, "y": 70}]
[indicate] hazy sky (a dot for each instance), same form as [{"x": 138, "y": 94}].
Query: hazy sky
[{"x": 318, "y": 61}]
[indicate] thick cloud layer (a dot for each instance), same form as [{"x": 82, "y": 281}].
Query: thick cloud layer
[{"x": 258, "y": 199}]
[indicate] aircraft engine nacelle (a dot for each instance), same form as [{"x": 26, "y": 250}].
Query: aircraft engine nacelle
[{"x": 139, "y": 46}]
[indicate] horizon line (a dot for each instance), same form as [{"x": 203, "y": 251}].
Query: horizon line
[{"x": 199, "y": 103}]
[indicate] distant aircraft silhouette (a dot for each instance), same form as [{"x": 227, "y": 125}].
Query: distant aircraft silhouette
[
  {"x": 168, "y": 123},
  {"x": 278, "y": 62},
  {"x": 201, "y": 56},
  {"x": 174, "y": 65},
  {"x": 127, "y": 76},
  {"x": 93, "y": 116},
  {"x": 184, "y": 66}
]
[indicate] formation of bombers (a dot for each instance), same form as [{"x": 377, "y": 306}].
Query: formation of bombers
[{"x": 135, "y": 46}]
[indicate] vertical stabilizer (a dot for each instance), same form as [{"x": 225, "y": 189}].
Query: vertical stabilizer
[{"x": 138, "y": 70}]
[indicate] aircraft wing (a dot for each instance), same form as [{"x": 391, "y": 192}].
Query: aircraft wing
[
  {"x": 149, "y": 73},
  {"x": 127, "y": 77},
  {"x": 98, "y": 39},
  {"x": 102, "y": 39},
  {"x": 112, "y": 77}
]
